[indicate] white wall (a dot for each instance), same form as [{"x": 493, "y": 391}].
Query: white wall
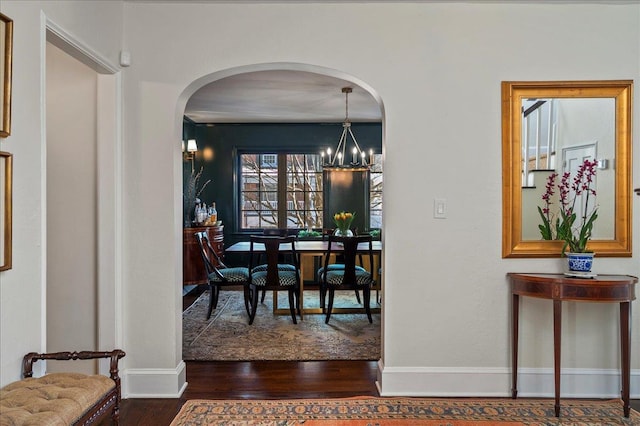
[
  {"x": 72, "y": 278},
  {"x": 437, "y": 67},
  {"x": 97, "y": 25}
]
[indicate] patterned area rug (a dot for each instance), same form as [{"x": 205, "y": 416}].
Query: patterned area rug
[
  {"x": 227, "y": 335},
  {"x": 363, "y": 411}
]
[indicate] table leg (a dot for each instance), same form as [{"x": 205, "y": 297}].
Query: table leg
[
  {"x": 275, "y": 302},
  {"x": 301, "y": 298},
  {"x": 515, "y": 309},
  {"x": 625, "y": 343},
  {"x": 557, "y": 342}
]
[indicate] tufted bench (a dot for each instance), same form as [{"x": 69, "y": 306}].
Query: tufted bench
[{"x": 62, "y": 398}]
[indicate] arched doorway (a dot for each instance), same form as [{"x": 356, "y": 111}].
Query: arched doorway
[{"x": 248, "y": 95}]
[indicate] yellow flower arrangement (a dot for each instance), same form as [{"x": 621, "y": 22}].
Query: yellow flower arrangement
[{"x": 343, "y": 221}]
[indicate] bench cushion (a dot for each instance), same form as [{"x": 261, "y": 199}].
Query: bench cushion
[{"x": 54, "y": 399}]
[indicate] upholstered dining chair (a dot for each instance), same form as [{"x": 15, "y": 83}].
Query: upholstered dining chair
[
  {"x": 284, "y": 262},
  {"x": 346, "y": 275},
  {"x": 219, "y": 275},
  {"x": 273, "y": 275},
  {"x": 339, "y": 261}
]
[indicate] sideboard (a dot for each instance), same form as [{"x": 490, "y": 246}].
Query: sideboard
[{"x": 192, "y": 266}]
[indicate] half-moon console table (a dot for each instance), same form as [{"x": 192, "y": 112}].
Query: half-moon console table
[{"x": 559, "y": 288}]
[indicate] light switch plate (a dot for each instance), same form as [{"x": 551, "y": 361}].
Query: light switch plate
[{"x": 440, "y": 208}]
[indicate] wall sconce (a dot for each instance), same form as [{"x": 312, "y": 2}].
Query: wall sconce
[{"x": 190, "y": 153}]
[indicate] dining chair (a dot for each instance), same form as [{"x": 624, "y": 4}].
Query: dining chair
[
  {"x": 283, "y": 261},
  {"x": 345, "y": 274},
  {"x": 273, "y": 275},
  {"x": 218, "y": 274},
  {"x": 338, "y": 261}
]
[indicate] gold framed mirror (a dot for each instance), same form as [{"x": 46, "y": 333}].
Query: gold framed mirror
[{"x": 544, "y": 124}]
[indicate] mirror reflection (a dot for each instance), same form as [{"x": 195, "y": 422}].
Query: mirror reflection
[
  {"x": 552, "y": 128},
  {"x": 557, "y": 136}
]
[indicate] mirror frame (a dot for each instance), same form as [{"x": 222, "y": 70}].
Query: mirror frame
[
  {"x": 6, "y": 186},
  {"x": 513, "y": 92}
]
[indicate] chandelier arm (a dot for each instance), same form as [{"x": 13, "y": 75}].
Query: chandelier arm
[
  {"x": 355, "y": 142},
  {"x": 341, "y": 145}
]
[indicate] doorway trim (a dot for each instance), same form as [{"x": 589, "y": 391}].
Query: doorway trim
[{"x": 108, "y": 186}]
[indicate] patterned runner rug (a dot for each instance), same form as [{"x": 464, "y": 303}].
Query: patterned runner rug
[
  {"x": 361, "y": 411},
  {"x": 227, "y": 335}
]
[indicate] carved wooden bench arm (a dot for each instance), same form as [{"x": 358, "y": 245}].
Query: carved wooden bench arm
[{"x": 31, "y": 357}]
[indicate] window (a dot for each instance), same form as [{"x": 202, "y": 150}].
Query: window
[
  {"x": 295, "y": 178},
  {"x": 375, "y": 193},
  {"x": 266, "y": 178}
]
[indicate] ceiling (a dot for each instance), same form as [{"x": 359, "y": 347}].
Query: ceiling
[{"x": 280, "y": 97}]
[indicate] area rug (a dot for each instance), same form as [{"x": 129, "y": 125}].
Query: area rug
[
  {"x": 361, "y": 411},
  {"x": 227, "y": 335}
]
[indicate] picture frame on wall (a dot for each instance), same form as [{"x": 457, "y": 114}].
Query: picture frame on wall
[
  {"x": 6, "y": 185},
  {"x": 6, "y": 59}
]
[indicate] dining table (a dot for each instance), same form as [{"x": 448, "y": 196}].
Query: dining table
[{"x": 311, "y": 249}]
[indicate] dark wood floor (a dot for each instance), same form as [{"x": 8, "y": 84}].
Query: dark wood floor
[
  {"x": 256, "y": 380},
  {"x": 259, "y": 380}
]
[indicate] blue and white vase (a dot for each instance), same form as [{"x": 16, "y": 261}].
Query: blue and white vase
[{"x": 580, "y": 262}]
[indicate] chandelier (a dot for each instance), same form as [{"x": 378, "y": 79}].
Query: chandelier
[{"x": 338, "y": 158}]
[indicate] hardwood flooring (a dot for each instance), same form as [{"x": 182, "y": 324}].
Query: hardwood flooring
[
  {"x": 256, "y": 380},
  {"x": 259, "y": 380}
]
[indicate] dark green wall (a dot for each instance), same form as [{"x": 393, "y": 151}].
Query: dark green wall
[{"x": 227, "y": 139}]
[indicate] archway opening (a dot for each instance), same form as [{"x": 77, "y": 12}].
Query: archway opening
[{"x": 225, "y": 111}]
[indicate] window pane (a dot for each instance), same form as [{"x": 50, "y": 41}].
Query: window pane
[
  {"x": 258, "y": 190},
  {"x": 376, "y": 219},
  {"x": 301, "y": 181},
  {"x": 249, "y": 161},
  {"x": 375, "y": 194}
]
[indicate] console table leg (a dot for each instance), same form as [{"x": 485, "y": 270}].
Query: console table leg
[
  {"x": 625, "y": 343},
  {"x": 515, "y": 307},
  {"x": 557, "y": 344}
]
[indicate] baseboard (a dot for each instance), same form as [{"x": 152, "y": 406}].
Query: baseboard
[
  {"x": 154, "y": 382},
  {"x": 496, "y": 382}
]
